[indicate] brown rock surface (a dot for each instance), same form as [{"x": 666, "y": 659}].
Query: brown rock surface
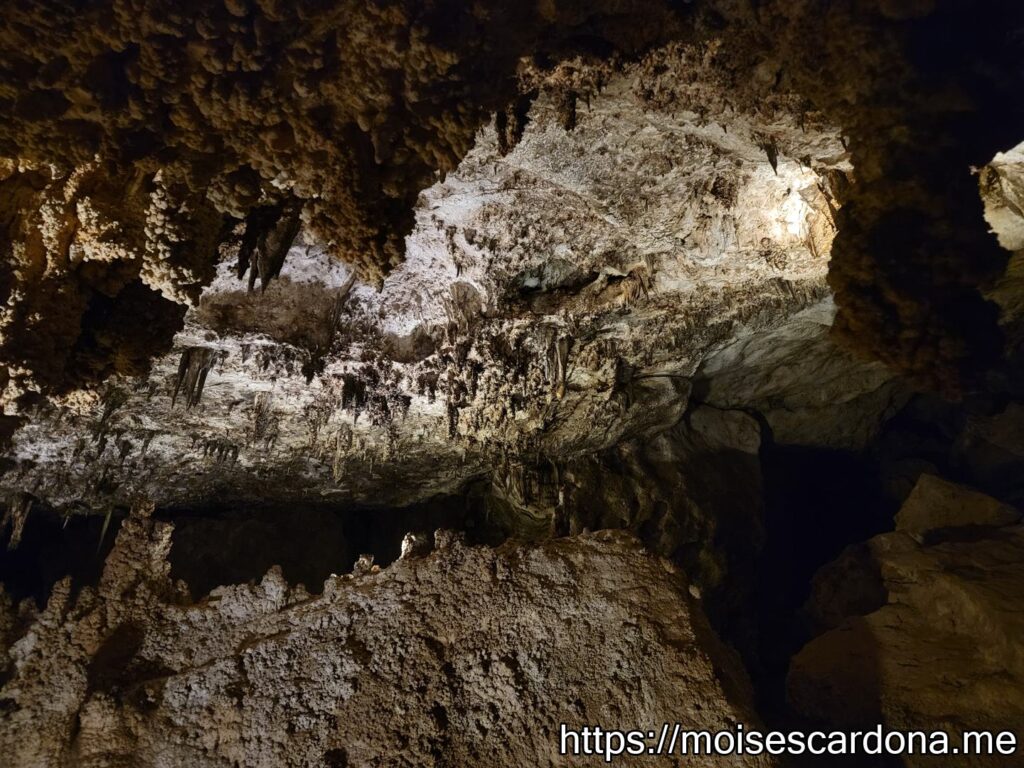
[
  {"x": 920, "y": 636},
  {"x": 692, "y": 493},
  {"x": 936, "y": 503},
  {"x": 236, "y": 112},
  {"x": 350, "y": 106},
  {"x": 139, "y": 136},
  {"x": 464, "y": 656},
  {"x": 614, "y": 264},
  {"x": 554, "y": 300},
  {"x": 811, "y": 390}
]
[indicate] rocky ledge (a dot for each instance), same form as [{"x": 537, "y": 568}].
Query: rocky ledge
[{"x": 453, "y": 654}]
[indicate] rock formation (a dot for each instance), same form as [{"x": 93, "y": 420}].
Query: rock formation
[
  {"x": 455, "y": 656},
  {"x": 662, "y": 307},
  {"x": 921, "y": 625},
  {"x": 537, "y": 312},
  {"x": 153, "y": 137}
]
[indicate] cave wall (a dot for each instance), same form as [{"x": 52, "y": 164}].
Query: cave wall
[
  {"x": 918, "y": 627},
  {"x": 693, "y": 245},
  {"x": 139, "y": 134}
]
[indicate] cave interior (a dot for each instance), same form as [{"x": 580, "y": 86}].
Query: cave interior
[{"x": 393, "y": 382}]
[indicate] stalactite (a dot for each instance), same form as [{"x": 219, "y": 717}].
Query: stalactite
[
  {"x": 770, "y": 147},
  {"x": 510, "y": 123},
  {"x": 556, "y": 363},
  {"x": 453, "y": 420},
  {"x": 263, "y": 416},
  {"x": 269, "y": 234},
  {"x": 106, "y": 526},
  {"x": 565, "y": 106},
  {"x": 196, "y": 363},
  {"x": 113, "y": 399},
  {"x": 353, "y": 393},
  {"x": 16, "y": 514},
  {"x": 221, "y": 450}
]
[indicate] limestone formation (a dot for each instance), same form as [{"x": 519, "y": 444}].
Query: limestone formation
[
  {"x": 692, "y": 493},
  {"x": 1002, "y": 189},
  {"x": 554, "y": 300},
  {"x": 810, "y": 390},
  {"x": 462, "y": 656},
  {"x": 935, "y": 504},
  {"x": 139, "y": 139}
]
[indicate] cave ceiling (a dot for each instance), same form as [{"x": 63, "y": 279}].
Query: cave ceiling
[{"x": 367, "y": 252}]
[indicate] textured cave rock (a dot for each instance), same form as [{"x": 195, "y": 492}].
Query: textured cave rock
[
  {"x": 921, "y": 630},
  {"x": 138, "y": 135},
  {"x": 94, "y": 281},
  {"x": 141, "y": 137},
  {"x": 978, "y": 443},
  {"x": 535, "y": 270},
  {"x": 914, "y": 253},
  {"x": 461, "y": 656},
  {"x": 810, "y": 390},
  {"x": 1002, "y": 190},
  {"x": 692, "y": 493},
  {"x": 991, "y": 449},
  {"x": 554, "y": 301},
  {"x": 351, "y": 106},
  {"x": 935, "y": 504}
]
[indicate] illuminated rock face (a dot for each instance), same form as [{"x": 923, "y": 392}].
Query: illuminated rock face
[
  {"x": 460, "y": 656},
  {"x": 556, "y": 281},
  {"x": 1002, "y": 190},
  {"x": 553, "y": 301},
  {"x": 138, "y": 137}
]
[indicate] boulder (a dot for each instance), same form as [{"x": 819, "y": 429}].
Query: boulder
[
  {"x": 921, "y": 635},
  {"x": 936, "y": 503}
]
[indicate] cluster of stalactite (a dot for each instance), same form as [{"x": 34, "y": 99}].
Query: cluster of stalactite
[{"x": 141, "y": 138}]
